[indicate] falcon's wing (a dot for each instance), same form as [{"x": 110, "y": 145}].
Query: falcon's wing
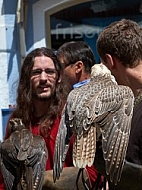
[
  {"x": 37, "y": 157},
  {"x": 62, "y": 140},
  {"x": 8, "y": 162},
  {"x": 60, "y": 148},
  {"x": 33, "y": 153},
  {"x": 84, "y": 147},
  {"x": 112, "y": 111},
  {"x": 22, "y": 144},
  {"x": 7, "y": 177}
]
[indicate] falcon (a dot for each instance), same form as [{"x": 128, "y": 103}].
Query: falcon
[
  {"x": 23, "y": 158},
  {"x": 99, "y": 109}
]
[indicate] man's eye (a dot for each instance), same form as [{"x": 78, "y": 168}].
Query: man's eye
[
  {"x": 36, "y": 72},
  {"x": 50, "y": 71}
]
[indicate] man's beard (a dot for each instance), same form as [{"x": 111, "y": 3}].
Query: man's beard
[{"x": 44, "y": 98}]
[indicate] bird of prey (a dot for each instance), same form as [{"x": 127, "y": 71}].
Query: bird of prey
[
  {"x": 100, "y": 108},
  {"x": 23, "y": 158}
]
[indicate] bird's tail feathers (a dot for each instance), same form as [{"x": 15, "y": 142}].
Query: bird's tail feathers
[{"x": 84, "y": 149}]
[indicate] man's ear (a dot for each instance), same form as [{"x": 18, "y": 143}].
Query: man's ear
[
  {"x": 78, "y": 66},
  {"x": 60, "y": 79},
  {"x": 110, "y": 61}
]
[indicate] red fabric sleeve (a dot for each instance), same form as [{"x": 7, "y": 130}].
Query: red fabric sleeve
[
  {"x": 68, "y": 160},
  {"x": 50, "y": 140},
  {"x": 93, "y": 174},
  {"x": 1, "y": 182}
]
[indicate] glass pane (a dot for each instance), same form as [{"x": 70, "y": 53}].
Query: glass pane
[{"x": 85, "y": 21}]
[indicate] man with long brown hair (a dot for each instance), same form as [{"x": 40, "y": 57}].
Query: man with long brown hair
[{"x": 40, "y": 97}]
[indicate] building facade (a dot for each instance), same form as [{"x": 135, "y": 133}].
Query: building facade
[{"x": 28, "y": 24}]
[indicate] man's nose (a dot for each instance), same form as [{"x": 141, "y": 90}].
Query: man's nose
[{"x": 43, "y": 76}]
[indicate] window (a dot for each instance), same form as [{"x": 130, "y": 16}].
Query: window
[{"x": 83, "y": 20}]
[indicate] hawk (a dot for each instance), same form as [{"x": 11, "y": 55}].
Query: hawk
[
  {"x": 99, "y": 109},
  {"x": 23, "y": 158}
]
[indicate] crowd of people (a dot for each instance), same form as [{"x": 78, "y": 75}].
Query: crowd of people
[{"x": 47, "y": 77}]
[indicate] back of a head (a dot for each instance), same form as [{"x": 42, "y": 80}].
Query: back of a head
[
  {"x": 71, "y": 52},
  {"x": 123, "y": 40}
]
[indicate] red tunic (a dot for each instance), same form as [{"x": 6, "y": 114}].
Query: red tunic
[
  {"x": 50, "y": 140},
  {"x": 1, "y": 182}
]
